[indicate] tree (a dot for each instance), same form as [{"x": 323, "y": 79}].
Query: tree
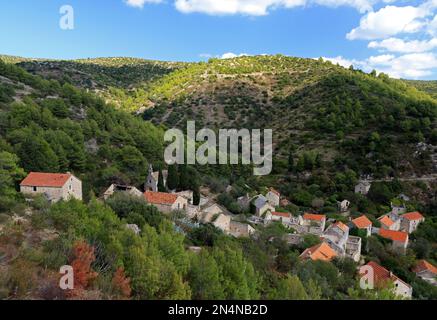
[
  {"x": 83, "y": 274},
  {"x": 10, "y": 174},
  {"x": 184, "y": 179},
  {"x": 290, "y": 161},
  {"x": 196, "y": 195},
  {"x": 290, "y": 288},
  {"x": 121, "y": 284},
  {"x": 36, "y": 155},
  {"x": 172, "y": 177},
  {"x": 161, "y": 186}
]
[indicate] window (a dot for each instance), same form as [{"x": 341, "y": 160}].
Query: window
[{"x": 34, "y": 189}]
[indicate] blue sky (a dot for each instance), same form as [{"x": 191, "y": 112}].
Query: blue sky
[{"x": 396, "y": 37}]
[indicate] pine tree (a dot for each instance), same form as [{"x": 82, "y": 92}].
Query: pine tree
[
  {"x": 161, "y": 185},
  {"x": 173, "y": 177}
]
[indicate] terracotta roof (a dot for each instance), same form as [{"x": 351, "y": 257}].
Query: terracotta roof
[
  {"x": 317, "y": 217},
  {"x": 321, "y": 251},
  {"x": 40, "y": 179},
  {"x": 413, "y": 216},
  {"x": 394, "y": 235},
  {"x": 342, "y": 226},
  {"x": 275, "y": 191},
  {"x": 385, "y": 220},
  {"x": 281, "y": 214},
  {"x": 381, "y": 275},
  {"x": 160, "y": 197},
  {"x": 424, "y": 265},
  {"x": 362, "y": 222}
]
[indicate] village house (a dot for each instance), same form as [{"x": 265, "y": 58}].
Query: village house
[
  {"x": 387, "y": 223},
  {"x": 399, "y": 239},
  {"x": 221, "y": 222},
  {"x": 262, "y": 206},
  {"x": 283, "y": 217},
  {"x": 363, "y": 187},
  {"x": 244, "y": 202},
  {"x": 166, "y": 202},
  {"x": 187, "y": 194},
  {"x": 398, "y": 208},
  {"x": 362, "y": 223},
  {"x": 382, "y": 276},
  {"x": 273, "y": 197},
  {"x": 314, "y": 223},
  {"x": 338, "y": 238},
  {"x": 153, "y": 178},
  {"x": 320, "y": 251},
  {"x": 410, "y": 221},
  {"x": 123, "y": 189},
  {"x": 54, "y": 186},
  {"x": 240, "y": 230},
  {"x": 426, "y": 271}
]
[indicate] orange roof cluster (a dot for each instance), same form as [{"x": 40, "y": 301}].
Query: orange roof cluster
[
  {"x": 385, "y": 220},
  {"x": 41, "y": 179},
  {"x": 381, "y": 275},
  {"x": 362, "y": 222},
  {"x": 394, "y": 235},
  {"x": 413, "y": 216},
  {"x": 321, "y": 251},
  {"x": 424, "y": 265},
  {"x": 281, "y": 214},
  {"x": 160, "y": 197},
  {"x": 316, "y": 217}
]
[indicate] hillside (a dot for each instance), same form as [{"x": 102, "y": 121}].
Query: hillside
[{"x": 369, "y": 123}]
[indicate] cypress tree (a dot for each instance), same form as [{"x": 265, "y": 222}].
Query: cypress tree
[
  {"x": 161, "y": 186},
  {"x": 173, "y": 177}
]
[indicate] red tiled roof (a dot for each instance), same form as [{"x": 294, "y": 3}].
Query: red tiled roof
[
  {"x": 394, "y": 235},
  {"x": 424, "y": 265},
  {"x": 41, "y": 179},
  {"x": 160, "y": 197},
  {"x": 381, "y": 275},
  {"x": 341, "y": 225},
  {"x": 413, "y": 216},
  {"x": 385, "y": 220},
  {"x": 281, "y": 214},
  {"x": 321, "y": 251},
  {"x": 362, "y": 222},
  {"x": 317, "y": 217}
]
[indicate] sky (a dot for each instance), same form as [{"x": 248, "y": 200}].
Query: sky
[{"x": 398, "y": 37}]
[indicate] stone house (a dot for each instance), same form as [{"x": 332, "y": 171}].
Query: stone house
[
  {"x": 380, "y": 276},
  {"x": 337, "y": 236},
  {"x": 120, "y": 188},
  {"x": 244, "y": 202},
  {"x": 399, "y": 239},
  {"x": 166, "y": 202},
  {"x": 240, "y": 230},
  {"x": 187, "y": 194},
  {"x": 388, "y": 223},
  {"x": 283, "y": 217},
  {"x": 314, "y": 221},
  {"x": 410, "y": 221},
  {"x": 273, "y": 197},
  {"x": 262, "y": 206},
  {"x": 54, "y": 186},
  {"x": 362, "y": 223},
  {"x": 398, "y": 208},
  {"x": 152, "y": 179},
  {"x": 363, "y": 187},
  {"x": 426, "y": 271}
]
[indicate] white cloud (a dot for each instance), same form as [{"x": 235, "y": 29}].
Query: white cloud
[
  {"x": 141, "y": 3},
  {"x": 389, "y": 21},
  {"x": 255, "y": 7},
  {"x": 231, "y": 55},
  {"x": 411, "y": 66},
  {"x": 402, "y": 46}
]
